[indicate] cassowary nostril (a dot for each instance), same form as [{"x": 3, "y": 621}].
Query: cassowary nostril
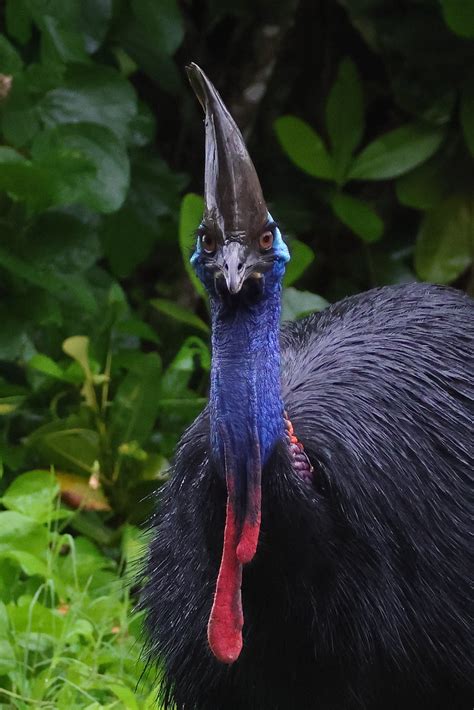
[
  {"x": 226, "y": 267},
  {"x": 240, "y": 267}
]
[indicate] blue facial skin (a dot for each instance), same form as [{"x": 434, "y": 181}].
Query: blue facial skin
[{"x": 245, "y": 397}]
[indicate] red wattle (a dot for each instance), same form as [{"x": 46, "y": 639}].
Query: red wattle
[
  {"x": 224, "y": 630},
  {"x": 248, "y": 542}
]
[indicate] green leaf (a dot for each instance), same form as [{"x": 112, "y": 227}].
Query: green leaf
[
  {"x": 345, "y": 116},
  {"x": 161, "y": 21},
  {"x": 304, "y": 147},
  {"x": 77, "y": 347},
  {"x": 459, "y": 16},
  {"x": 125, "y": 695},
  {"x": 358, "y": 216},
  {"x": 190, "y": 216},
  {"x": 137, "y": 328},
  {"x": 18, "y": 20},
  {"x": 425, "y": 186},
  {"x": 21, "y": 532},
  {"x": 467, "y": 113},
  {"x": 296, "y": 304},
  {"x": 301, "y": 257},
  {"x": 396, "y": 152},
  {"x": 60, "y": 42},
  {"x": 135, "y": 405},
  {"x": 125, "y": 254},
  {"x": 94, "y": 19},
  {"x": 445, "y": 244},
  {"x": 49, "y": 280},
  {"x": 95, "y": 94},
  {"x": 104, "y": 188},
  {"x": 45, "y": 364},
  {"x": 178, "y": 313},
  {"x": 10, "y": 60},
  {"x": 69, "y": 447},
  {"x": 7, "y": 657},
  {"x": 60, "y": 242},
  {"x": 19, "y": 115},
  {"x": 32, "y": 494}
]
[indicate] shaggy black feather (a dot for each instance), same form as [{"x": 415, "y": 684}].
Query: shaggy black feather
[{"x": 359, "y": 595}]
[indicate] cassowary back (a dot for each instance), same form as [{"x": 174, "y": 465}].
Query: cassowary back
[{"x": 359, "y": 594}]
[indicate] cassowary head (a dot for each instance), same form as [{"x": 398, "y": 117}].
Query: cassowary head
[{"x": 239, "y": 248}]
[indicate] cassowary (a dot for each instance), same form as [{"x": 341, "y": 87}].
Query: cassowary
[{"x": 310, "y": 550}]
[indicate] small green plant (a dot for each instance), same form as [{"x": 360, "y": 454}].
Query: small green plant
[{"x": 68, "y": 636}]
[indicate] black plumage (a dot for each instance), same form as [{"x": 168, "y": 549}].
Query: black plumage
[
  {"x": 334, "y": 577},
  {"x": 359, "y": 594}
]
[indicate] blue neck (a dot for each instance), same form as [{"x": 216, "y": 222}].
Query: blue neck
[{"x": 245, "y": 377}]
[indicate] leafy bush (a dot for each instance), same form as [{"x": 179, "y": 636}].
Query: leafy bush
[{"x": 67, "y": 635}]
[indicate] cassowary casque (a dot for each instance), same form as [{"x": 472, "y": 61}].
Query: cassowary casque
[{"x": 311, "y": 549}]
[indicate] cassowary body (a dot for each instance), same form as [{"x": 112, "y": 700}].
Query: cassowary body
[{"x": 358, "y": 594}]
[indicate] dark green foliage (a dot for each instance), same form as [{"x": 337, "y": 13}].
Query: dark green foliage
[{"x": 360, "y": 118}]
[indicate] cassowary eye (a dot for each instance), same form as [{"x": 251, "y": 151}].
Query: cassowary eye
[
  {"x": 266, "y": 241},
  {"x": 208, "y": 243}
]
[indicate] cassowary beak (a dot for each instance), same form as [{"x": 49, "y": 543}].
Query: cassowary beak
[{"x": 234, "y": 257}]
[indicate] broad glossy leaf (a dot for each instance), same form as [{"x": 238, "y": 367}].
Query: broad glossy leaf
[
  {"x": 445, "y": 242},
  {"x": 162, "y": 23},
  {"x": 20, "y": 532},
  {"x": 33, "y": 494},
  {"x": 178, "y": 313},
  {"x": 95, "y": 94},
  {"x": 459, "y": 16},
  {"x": 49, "y": 280},
  {"x": 301, "y": 257},
  {"x": 65, "y": 445},
  {"x": 60, "y": 242},
  {"x": 43, "y": 363},
  {"x": 25, "y": 181},
  {"x": 135, "y": 405},
  {"x": 358, "y": 216},
  {"x": 18, "y": 20},
  {"x": 60, "y": 41},
  {"x": 304, "y": 147},
  {"x": 396, "y": 152},
  {"x": 142, "y": 126},
  {"x": 94, "y": 19},
  {"x": 137, "y": 328},
  {"x": 104, "y": 184},
  {"x": 296, "y": 304},
  {"x": 193, "y": 352},
  {"x": 155, "y": 189},
  {"x": 123, "y": 253},
  {"x": 10, "y": 60},
  {"x": 345, "y": 116},
  {"x": 19, "y": 116},
  {"x": 190, "y": 216},
  {"x": 425, "y": 186},
  {"x": 30, "y": 564}
]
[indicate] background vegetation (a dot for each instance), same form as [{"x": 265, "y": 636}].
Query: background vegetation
[{"x": 360, "y": 117}]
